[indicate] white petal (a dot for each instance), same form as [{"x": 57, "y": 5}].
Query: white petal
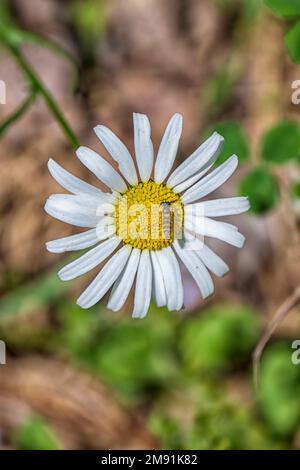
[
  {"x": 212, "y": 261},
  {"x": 204, "y": 156},
  {"x": 84, "y": 201},
  {"x": 101, "y": 168},
  {"x": 73, "y": 210},
  {"x": 168, "y": 148},
  {"x": 215, "y": 229},
  {"x": 89, "y": 260},
  {"x": 73, "y": 242},
  {"x": 106, "y": 227},
  {"x": 104, "y": 280},
  {"x": 222, "y": 207},
  {"x": 143, "y": 286},
  {"x": 172, "y": 278},
  {"x": 190, "y": 181},
  {"x": 70, "y": 182},
  {"x": 196, "y": 268},
  {"x": 105, "y": 209},
  {"x": 158, "y": 288},
  {"x": 212, "y": 181},
  {"x": 119, "y": 153},
  {"x": 143, "y": 145},
  {"x": 96, "y": 205},
  {"x": 122, "y": 286}
]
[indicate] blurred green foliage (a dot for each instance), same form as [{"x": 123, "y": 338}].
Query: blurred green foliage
[
  {"x": 235, "y": 141},
  {"x": 130, "y": 356},
  {"x": 5, "y": 15},
  {"x": 280, "y": 390},
  {"x": 174, "y": 364},
  {"x": 261, "y": 188},
  {"x": 134, "y": 357},
  {"x": 220, "y": 338},
  {"x": 285, "y": 8},
  {"x": 219, "y": 90},
  {"x": 44, "y": 292},
  {"x": 178, "y": 366},
  {"x": 12, "y": 38},
  {"x": 281, "y": 143},
  {"x": 289, "y": 10},
  {"x": 89, "y": 17},
  {"x": 207, "y": 417},
  {"x": 248, "y": 9},
  {"x": 35, "y": 434},
  {"x": 292, "y": 41},
  {"x": 227, "y": 426},
  {"x": 141, "y": 355},
  {"x": 296, "y": 190}
]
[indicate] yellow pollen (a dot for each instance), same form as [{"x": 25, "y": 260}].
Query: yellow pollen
[{"x": 149, "y": 216}]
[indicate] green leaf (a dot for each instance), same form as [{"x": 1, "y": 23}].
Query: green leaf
[
  {"x": 35, "y": 434},
  {"x": 280, "y": 389},
  {"x": 281, "y": 143},
  {"x": 235, "y": 141},
  {"x": 261, "y": 189},
  {"x": 219, "y": 338},
  {"x": 296, "y": 190},
  {"x": 285, "y": 8},
  {"x": 292, "y": 41},
  {"x": 5, "y": 14}
]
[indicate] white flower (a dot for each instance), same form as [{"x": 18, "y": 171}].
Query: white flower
[{"x": 128, "y": 225}]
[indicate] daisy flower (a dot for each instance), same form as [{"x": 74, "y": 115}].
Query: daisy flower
[{"x": 149, "y": 221}]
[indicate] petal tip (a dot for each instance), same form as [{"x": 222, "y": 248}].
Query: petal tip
[
  {"x": 82, "y": 151},
  {"x": 242, "y": 241},
  {"x": 62, "y": 276},
  {"x": 136, "y": 316},
  {"x": 47, "y": 205},
  {"x": 219, "y": 136},
  {"x": 82, "y": 304},
  {"x": 51, "y": 248},
  {"x": 178, "y": 116},
  {"x": 99, "y": 130}
]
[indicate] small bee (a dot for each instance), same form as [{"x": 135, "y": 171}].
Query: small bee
[{"x": 166, "y": 219}]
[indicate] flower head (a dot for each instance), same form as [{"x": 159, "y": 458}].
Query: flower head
[{"x": 151, "y": 219}]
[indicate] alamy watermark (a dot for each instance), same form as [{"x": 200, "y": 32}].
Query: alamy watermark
[
  {"x": 296, "y": 354},
  {"x": 162, "y": 221},
  {"x": 2, "y": 92},
  {"x": 295, "y": 98},
  {"x": 2, "y": 353}
]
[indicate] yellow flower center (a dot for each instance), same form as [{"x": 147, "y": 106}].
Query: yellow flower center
[{"x": 149, "y": 216}]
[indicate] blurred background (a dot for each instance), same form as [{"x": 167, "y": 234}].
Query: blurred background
[{"x": 93, "y": 379}]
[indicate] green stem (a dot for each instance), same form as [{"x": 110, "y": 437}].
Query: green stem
[
  {"x": 4, "y": 126},
  {"x": 39, "y": 87}
]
